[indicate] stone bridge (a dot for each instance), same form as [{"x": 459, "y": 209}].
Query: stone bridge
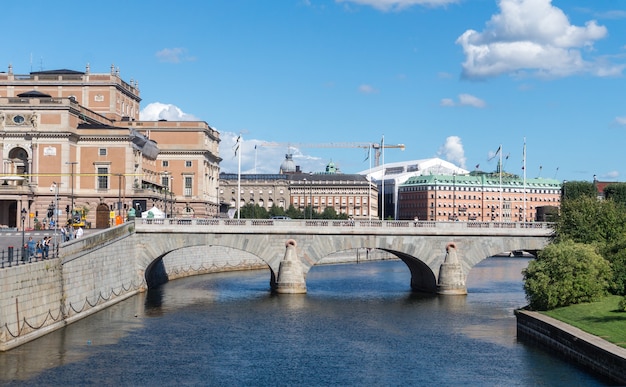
[
  {"x": 439, "y": 255},
  {"x": 108, "y": 266}
]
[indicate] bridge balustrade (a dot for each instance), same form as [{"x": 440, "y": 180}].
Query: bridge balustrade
[{"x": 321, "y": 223}]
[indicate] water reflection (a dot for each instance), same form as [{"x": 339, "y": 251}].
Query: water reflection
[
  {"x": 74, "y": 343},
  {"x": 357, "y": 325}
]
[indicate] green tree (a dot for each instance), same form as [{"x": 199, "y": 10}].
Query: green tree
[
  {"x": 576, "y": 189},
  {"x": 277, "y": 211},
  {"x": 294, "y": 213},
  {"x": 566, "y": 273},
  {"x": 329, "y": 213},
  {"x": 616, "y": 255},
  {"x": 253, "y": 211},
  {"x": 589, "y": 220},
  {"x": 616, "y": 192}
]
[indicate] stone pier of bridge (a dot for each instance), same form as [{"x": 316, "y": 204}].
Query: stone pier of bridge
[{"x": 106, "y": 267}]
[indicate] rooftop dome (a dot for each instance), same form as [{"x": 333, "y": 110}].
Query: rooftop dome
[
  {"x": 288, "y": 166},
  {"x": 331, "y": 168}
]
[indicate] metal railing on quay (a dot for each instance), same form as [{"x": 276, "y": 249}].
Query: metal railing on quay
[{"x": 11, "y": 257}]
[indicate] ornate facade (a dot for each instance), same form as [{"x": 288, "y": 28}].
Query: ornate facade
[
  {"x": 349, "y": 194},
  {"x": 75, "y": 139}
]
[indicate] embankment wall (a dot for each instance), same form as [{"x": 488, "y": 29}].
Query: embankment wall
[{"x": 588, "y": 351}]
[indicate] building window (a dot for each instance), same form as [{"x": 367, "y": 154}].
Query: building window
[
  {"x": 165, "y": 181},
  {"x": 103, "y": 178},
  {"x": 165, "y": 163},
  {"x": 188, "y": 185},
  {"x": 188, "y": 164},
  {"x": 102, "y": 151}
]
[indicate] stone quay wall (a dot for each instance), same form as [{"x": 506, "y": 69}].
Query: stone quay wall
[
  {"x": 588, "y": 351},
  {"x": 30, "y": 302},
  {"x": 91, "y": 274},
  {"x": 100, "y": 271}
]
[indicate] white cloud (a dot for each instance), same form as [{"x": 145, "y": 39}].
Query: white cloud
[
  {"x": 160, "y": 111},
  {"x": 464, "y": 100},
  {"x": 453, "y": 151},
  {"x": 367, "y": 89},
  {"x": 447, "y": 102},
  {"x": 470, "y": 100},
  {"x": 532, "y": 36},
  {"x": 257, "y": 158},
  {"x": 620, "y": 121},
  {"x": 611, "y": 175},
  {"x": 174, "y": 55},
  {"x": 398, "y": 5}
]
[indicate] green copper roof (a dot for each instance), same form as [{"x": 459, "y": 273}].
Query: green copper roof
[{"x": 484, "y": 179}]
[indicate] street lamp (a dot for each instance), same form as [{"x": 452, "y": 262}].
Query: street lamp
[
  {"x": 72, "y": 163},
  {"x": 23, "y": 219},
  {"x": 304, "y": 194},
  {"x": 119, "y": 194},
  {"x": 55, "y": 187},
  {"x": 311, "y": 194},
  {"x": 435, "y": 189},
  {"x": 170, "y": 183},
  {"x": 453, "y": 196},
  {"x": 165, "y": 181}
]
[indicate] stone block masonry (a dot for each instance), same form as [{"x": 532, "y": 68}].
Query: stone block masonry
[
  {"x": 30, "y": 302},
  {"x": 588, "y": 351}
]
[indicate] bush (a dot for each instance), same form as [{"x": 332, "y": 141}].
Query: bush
[
  {"x": 566, "y": 273},
  {"x": 622, "y": 305}
]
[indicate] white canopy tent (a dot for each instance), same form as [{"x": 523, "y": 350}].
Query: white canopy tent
[{"x": 153, "y": 213}]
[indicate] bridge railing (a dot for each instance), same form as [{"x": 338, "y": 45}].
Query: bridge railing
[{"x": 323, "y": 223}]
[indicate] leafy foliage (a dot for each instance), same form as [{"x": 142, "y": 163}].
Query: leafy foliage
[
  {"x": 616, "y": 255},
  {"x": 576, "y": 189},
  {"x": 622, "y": 305},
  {"x": 616, "y": 192},
  {"x": 254, "y": 211},
  {"x": 294, "y": 213},
  {"x": 566, "y": 273},
  {"x": 589, "y": 220}
]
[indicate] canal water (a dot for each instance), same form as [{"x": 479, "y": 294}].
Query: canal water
[{"x": 359, "y": 325}]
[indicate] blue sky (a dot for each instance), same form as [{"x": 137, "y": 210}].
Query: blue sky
[{"x": 448, "y": 78}]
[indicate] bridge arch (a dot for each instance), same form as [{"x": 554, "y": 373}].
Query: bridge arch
[{"x": 422, "y": 249}]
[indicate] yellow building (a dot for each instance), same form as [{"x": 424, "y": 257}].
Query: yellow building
[{"x": 75, "y": 138}]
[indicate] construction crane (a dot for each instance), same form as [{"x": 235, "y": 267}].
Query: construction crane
[{"x": 364, "y": 145}]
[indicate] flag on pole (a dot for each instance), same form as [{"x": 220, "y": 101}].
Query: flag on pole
[
  {"x": 524, "y": 156},
  {"x": 495, "y": 154},
  {"x": 236, "y": 147}
]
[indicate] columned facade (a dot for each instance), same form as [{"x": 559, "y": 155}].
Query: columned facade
[{"x": 72, "y": 141}]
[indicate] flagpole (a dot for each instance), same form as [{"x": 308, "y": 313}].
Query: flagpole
[
  {"x": 501, "y": 182},
  {"x": 369, "y": 185},
  {"x": 255, "y": 159},
  {"x": 239, "y": 177},
  {"x": 524, "y": 168},
  {"x": 382, "y": 201}
]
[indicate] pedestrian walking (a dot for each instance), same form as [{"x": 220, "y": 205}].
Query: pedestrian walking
[
  {"x": 46, "y": 246},
  {"x": 31, "y": 244}
]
